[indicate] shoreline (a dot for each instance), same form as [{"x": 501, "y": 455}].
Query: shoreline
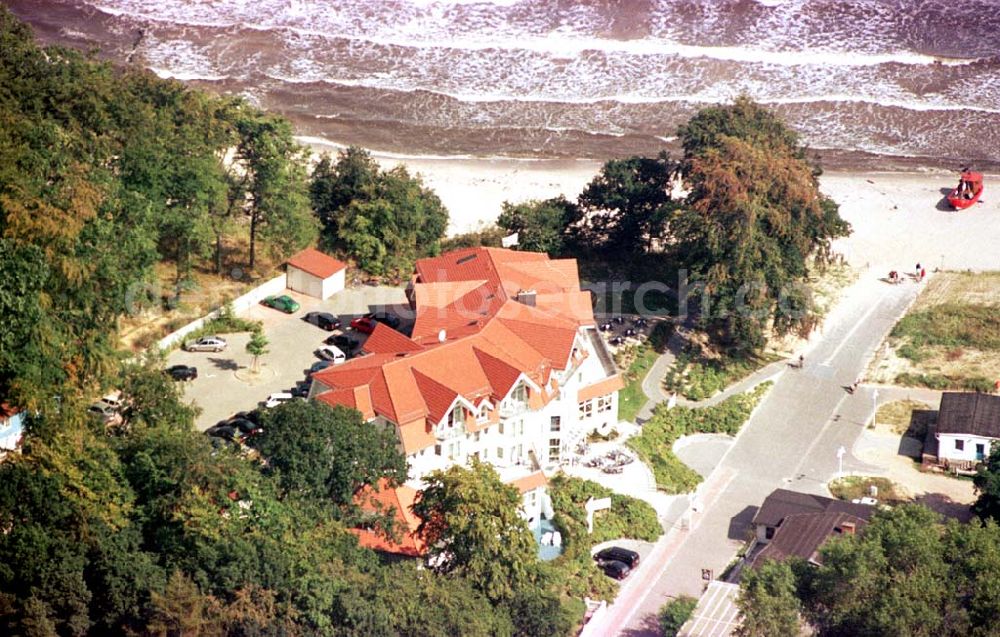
[{"x": 897, "y": 214}]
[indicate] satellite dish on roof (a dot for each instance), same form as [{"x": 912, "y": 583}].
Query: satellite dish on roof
[{"x": 442, "y": 336}]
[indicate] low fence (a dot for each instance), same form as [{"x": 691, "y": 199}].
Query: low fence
[{"x": 240, "y": 304}]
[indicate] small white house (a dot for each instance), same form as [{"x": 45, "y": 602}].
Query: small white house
[
  {"x": 316, "y": 274},
  {"x": 967, "y": 425}
]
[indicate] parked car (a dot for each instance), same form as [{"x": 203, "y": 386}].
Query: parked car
[
  {"x": 285, "y": 303},
  {"x": 277, "y": 398},
  {"x": 107, "y": 413},
  {"x": 223, "y": 430},
  {"x": 245, "y": 426},
  {"x": 331, "y": 353},
  {"x": 115, "y": 400},
  {"x": 182, "y": 372},
  {"x": 318, "y": 366},
  {"x": 615, "y": 569},
  {"x": 322, "y": 320},
  {"x": 618, "y": 554},
  {"x": 364, "y": 324},
  {"x": 344, "y": 342},
  {"x": 206, "y": 344},
  {"x": 384, "y": 317},
  {"x": 301, "y": 389}
]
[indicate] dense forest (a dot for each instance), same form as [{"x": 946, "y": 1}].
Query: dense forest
[{"x": 149, "y": 529}]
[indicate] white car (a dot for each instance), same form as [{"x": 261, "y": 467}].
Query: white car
[
  {"x": 277, "y": 398},
  {"x": 206, "y": 344},
  {"x": 331, "y": 353}
]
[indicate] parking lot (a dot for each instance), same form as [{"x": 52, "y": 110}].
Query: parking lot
[{"x": 224, "y": 385}]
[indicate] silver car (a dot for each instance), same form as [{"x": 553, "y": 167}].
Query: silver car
[{"x": 206, "y": 344}]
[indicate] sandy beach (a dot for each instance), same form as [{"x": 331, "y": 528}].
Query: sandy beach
[{"x": 898, "y": 218}]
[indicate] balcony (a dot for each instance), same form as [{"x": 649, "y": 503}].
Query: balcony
[{"x": 514, "y": 408}]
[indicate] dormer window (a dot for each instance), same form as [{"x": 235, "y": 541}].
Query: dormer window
[
  {"x": 520, "y": 394},
  {"x": 456, "y": 416},
  {"x": 484, "y": 413}
]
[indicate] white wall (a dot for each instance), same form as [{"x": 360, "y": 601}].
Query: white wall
[
  {"x": 302, "y": 281},
  {"x": 946, "y": 446},
  {"x": 333, "y": 284},
  {"x": 241, "y": 304}
]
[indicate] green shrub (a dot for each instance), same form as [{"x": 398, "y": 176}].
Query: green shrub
[
  {"x": 654, "y": 444},
  {"x": 697, "y": 378},
  {"x": 941, "y": 382},
  {"x": 631, "y": 398},
  {"x": 628, "y": 517},
  {"x": 674, "y": 613}
]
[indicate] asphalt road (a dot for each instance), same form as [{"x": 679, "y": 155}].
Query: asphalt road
[{"x": 791, "y": 441}]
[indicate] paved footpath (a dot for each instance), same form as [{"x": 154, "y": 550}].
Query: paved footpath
[{"x": 790, "y": 441}]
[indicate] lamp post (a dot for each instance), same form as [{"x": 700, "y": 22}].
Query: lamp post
[
  {"x": 874, "y": 407},
  {"x": 840, "y": 461}
]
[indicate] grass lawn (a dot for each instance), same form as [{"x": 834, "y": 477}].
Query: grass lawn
[
  {"x": 655, "y": 444},
  {"x": 899, "y": 415},
  {"x": 631, "y": 398},
  {"x": 950, "y": 339},
  {"x": 854, "y": 487}
]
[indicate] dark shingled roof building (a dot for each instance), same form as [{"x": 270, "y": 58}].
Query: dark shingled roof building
[
  {"x": 969, "y": 413},
  {"x": 793, "y": 524}
]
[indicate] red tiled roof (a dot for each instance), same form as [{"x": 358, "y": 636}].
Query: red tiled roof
[
  {"x": 399, "y": 500},
  {"x": 490, "y": 339},
  {"x": 530, "y": 482},
  {"x": 600, "y": 388},
  {"x": 385, "y": 340},
  {"x": 316, "y": 263}
]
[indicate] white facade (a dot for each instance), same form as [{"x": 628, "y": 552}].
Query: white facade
[
  {"x": 963, "y": 447},
  {"x": 301, "y": 281},
  {"x": 520, "y": 435}
]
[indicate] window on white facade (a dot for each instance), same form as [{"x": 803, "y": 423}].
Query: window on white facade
[
  {"x": 500, "y": 453},
  {"x": 603, "y": 404},
  {"x": 437, "y": 450},
  {"x": 555, "y": 422},
  {"x": 553, "y": 449},
  {"x": 484, "y": 413},
  {"x": 454, "y": 450},
  {"x": 520, "y": 393},
  {"x": 456, "y": 416},
  {"x": 532, "y": 498},
  {"x": 587, "y": 409},
  {"x": 520, "y": 427},
  {"x": 501, "y": 428},
  {"x": 960, "y": 445}
]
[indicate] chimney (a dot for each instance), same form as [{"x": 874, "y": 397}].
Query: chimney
[
  {"x": 847, "y": 528},
  {"x": 526, "y": 297}
]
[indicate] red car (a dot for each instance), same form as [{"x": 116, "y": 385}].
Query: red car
[{"x": 364, "y": 324}]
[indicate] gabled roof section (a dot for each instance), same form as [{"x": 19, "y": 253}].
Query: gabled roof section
[
  {"x": 802, "y": 535},
  {"x": 443, "y": 293},
  {"x": 385, "y": 340},
  {"x": 782, "y": 503},
  {"x": 437, "y": 397},
  {"x": 530, "y": 482},
  {"x": 554, "y": 342},
  {"x": 316, "y": 263},
  {"x": 969, "y": 413},
  {"x": 502, "y": 375},
  {"x": 398, "y": 501}
]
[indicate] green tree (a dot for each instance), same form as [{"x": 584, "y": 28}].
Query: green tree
[
  {"x": 675, "y": 613},
  {"x": 151, "y": 397},
  {"x": 257, "y": 347},
  {"x": 327, "y": 453},
  {"x": 385, "y": 219},
  {"x": 275, "y": 183},
  {"x": 987, "y": 482},
  {"x": 767, "y": 602},
  {"x": 893, "y": 579},
  {"x": 471, "y": 523},
  {"x": 627, "y": 206},
  {"x": 541, "y": 226},
  {"x": 753, "y": 220}
]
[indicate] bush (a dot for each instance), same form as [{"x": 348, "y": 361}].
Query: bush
[
  {"x": 674, "y": 613},
  {"x": 706, "y": 377},
  {"x": 655, "y": 444},
  {"x": 225, "y": 323},
  {"x": 628, "y": 517}
]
